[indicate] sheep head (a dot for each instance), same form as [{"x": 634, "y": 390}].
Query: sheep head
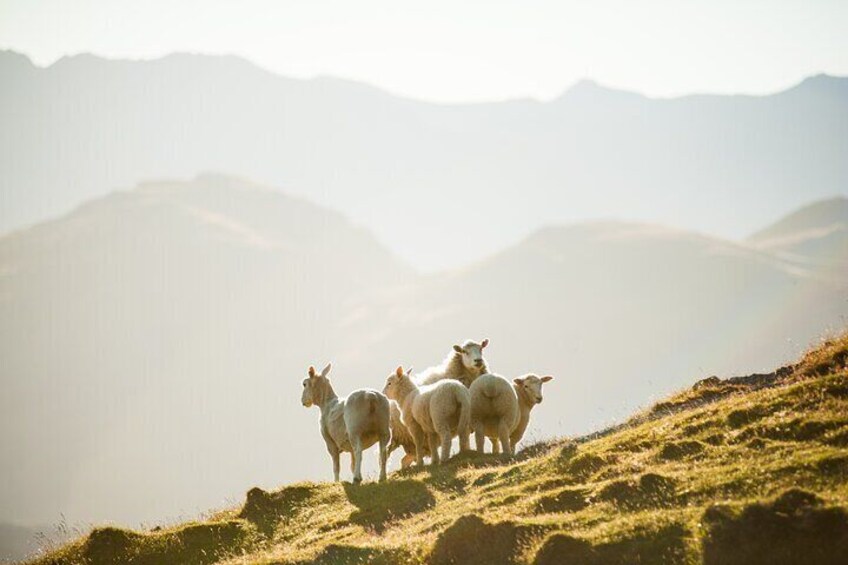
[
  {"x": 398, "y": 383},
  {"x": 315, "y": 386},
  {"x": 471, "y": 354},
  {"x": 530, "y": 386}
]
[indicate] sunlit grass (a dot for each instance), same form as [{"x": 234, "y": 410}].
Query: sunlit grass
[{"x": 641, "y": 489}]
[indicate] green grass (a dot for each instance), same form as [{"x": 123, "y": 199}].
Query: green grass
[{"x": 745, "y": 471}]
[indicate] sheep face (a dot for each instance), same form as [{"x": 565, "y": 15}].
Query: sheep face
[
  {"x": 531, "y": 386},
  {"x": 314, "y": 386},
  {"x": 395, "y": 383},
  {"x": 471, "y": 353}
]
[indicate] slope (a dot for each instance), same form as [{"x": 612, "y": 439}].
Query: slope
[{"x": 746, "y": 470}]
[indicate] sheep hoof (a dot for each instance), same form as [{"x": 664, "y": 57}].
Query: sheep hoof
[{"x": 357, "y": 480}]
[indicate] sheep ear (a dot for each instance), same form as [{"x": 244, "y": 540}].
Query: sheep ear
[
  {"x": 326, "y": 370},
  {"x": 547, "y": 378},
  {"x": 457, "y": 348},
  {"x": 518, "y": 381},
  {"x": 409, "y": 370},
  {"x": 311, "y": 371},
  {"x": 399, "y": 371},
  {"x": 485, "y": 343}
]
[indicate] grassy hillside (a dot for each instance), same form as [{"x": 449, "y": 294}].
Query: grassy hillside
[{"x": 745, "y": 470}]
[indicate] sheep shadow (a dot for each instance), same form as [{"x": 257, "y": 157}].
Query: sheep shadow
[{"x": 379, "y": 503}]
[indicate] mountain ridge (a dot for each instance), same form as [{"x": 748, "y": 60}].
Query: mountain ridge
[
  {"x": 417, "y": 174},
  {"x": 580, "y": 84}
]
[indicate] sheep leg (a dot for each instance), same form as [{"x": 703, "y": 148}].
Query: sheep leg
[
  {"x": 407, "y": 460},
  {"x": 352, "y": 463},
  {"x": 433, "y": 440},
  {"x": 418, "y": 440},
  {"x": 446, "y": 437},
  {"x": 496, "y": 446},
  {"x": 463, "y": 440},
  {"x": 480, "y": 437},
  {"x": 384, "y": 455},
  {"x": 503, "y": 436},
  {"x": 334, "y": 455},
  {"x": 356, "y": 443}
]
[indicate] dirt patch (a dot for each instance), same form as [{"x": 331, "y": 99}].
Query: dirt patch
[
  {"x": 195, "y": 544},
  {"x": 664, "y": 545},
  {"x": 757, "y": 444},
  {"x": 445, "y": 479},
  {"x": 715, "y": 439},
  {"x": 837, "y": 438},
  {"x": 834, "y": 466},
  {"x": 744, "y": 416},
  {"x": 340, "y": 554},
  {"x": 794, "y": 430},
  {"x": 508, "y": 501},
  {"x": 267, "y": 509},
  {"x": 650, "y": 491},
  {"x": 380, "y": 503},
  {"x": 568, "y": 500},
  {"x": 697, "y": 427},
  {"x": 471, "y": 541},
  {"x": 837, "y": 389},
  {"x": 794, "y": 528},
  {"x": 484, "y": 479},
  {"x": 677, "y": 450},
  {"x": 584, "y": 465},
  {"x": 538, "y": 449}
]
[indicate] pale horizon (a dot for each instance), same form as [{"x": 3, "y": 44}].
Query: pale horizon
[{"x": 532, "y": 50}]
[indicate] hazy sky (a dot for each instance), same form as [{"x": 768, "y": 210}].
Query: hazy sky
[{"x": 462, "y": 51}]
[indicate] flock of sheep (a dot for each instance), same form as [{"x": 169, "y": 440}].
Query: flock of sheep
[{"x": 424, "y": 414}]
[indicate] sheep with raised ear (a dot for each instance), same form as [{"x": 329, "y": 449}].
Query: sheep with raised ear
[
  {"x": 433, "y": 413},
  {"x": 528, "y": 388},
  {"x": 401, "y": 437},
  {"x": 464, "y": 364},
  {"x": 500, "y": 410},
  {"x": 349, "y": 424}
]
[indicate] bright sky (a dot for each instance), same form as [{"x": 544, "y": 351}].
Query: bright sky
[{"x": 463, "y": 50}]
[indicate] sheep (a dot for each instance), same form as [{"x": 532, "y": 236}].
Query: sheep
[
  {"x": 494, "y": 411},
  {"x": 401, "y": 436},
  {"x": 349, "y": 424},
  {"x": 500, "y": 410},
  {"x": 436, "y": 412},
  {"x": 464, "y": 364}
]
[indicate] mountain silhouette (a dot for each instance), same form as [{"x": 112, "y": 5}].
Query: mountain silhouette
[{"x": 422, "y": 176}]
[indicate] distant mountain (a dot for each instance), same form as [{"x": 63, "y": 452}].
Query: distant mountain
[
  {"x": 816, "y": 236},
  {"x": 153, "y": 341},
  {"x": 421, "y": 176},
  {"x": 619, "y": 312},
  {"x": 151, "y": 329}
]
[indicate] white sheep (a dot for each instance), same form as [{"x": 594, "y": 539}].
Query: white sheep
[
  {"x": 349, "y": 424},
  {"x": 500, "y": 410},
  {"x": 434, "y": 413},
  {"x": 401, "y": 436},
  {"x": 464, "y": 364}
]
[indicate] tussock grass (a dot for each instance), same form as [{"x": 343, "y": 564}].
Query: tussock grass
[{"x": 751, "y": 469}]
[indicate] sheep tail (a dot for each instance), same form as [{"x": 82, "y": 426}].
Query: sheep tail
[{"x": 490, "y": 390}]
